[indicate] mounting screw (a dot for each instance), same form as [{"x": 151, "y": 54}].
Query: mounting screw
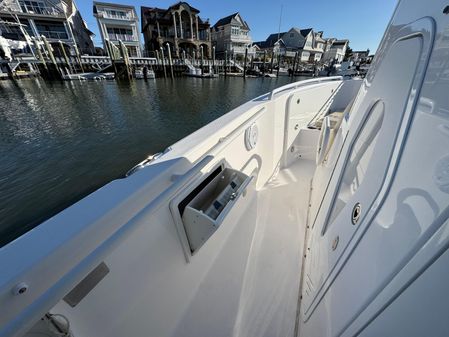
[
  {"x": 356, "y": 211},
  {"x": 20, "y": 288},
  {"x": 292, "y": 149},
  {"x": 296, "y": 127},
  {"x": 335, "y": 243}
]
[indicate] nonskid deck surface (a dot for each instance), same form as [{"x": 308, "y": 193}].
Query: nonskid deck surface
[
  {"x": 269, "y": 300},
  {"x": 256, "y": 294},
  {"x": 262, "y": 284}
]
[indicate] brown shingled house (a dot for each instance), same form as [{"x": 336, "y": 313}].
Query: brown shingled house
[{"x": 180, "y": 26}]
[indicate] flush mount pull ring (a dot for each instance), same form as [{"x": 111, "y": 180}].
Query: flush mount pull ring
[{"x": 356, "y": 211}]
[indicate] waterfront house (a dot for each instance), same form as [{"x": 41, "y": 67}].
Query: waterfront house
[
  {"x": 231, "y": 34},
  {"x": 360, "y": 55},
  {"x": 273, "y": 44},
  {"x": 308, "y": 44},
  {"x": 179, "y": 26},
  {"x": 21, "y": 21},
  {"x": 335, "y": 50},
  {"x": 119, "y": 23}
]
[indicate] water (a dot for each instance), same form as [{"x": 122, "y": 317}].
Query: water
[{"x": 60, "y": 141}]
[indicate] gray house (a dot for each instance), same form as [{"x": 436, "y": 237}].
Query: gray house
[
  {"x": 231, "y": 34},
  {"x": 308, "y": 44}
]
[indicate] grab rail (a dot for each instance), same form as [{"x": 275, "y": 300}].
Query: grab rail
[{"x": 302, "y": 83}]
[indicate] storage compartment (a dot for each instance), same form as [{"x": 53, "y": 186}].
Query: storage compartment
[{"x": 206, "y": 208}]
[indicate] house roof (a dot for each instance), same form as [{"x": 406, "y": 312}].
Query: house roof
[
  {"x": 340, "y": 42},
  {"x": 228, "y": 19},
  {"x": 260, "y": 44},
  {"x": 273, "y": 38},
  {"x": 178, "y": 4},
  {"x": 108, "y": 4},
  {"x": 145, "y": 10},
  {"x": 305, "y": 32},
  {"x": 164, "y": 16}
]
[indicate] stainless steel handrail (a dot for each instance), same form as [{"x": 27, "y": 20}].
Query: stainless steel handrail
[{"x": 299, "y": 84}]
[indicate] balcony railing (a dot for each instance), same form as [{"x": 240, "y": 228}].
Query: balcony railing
[
  {"x": 240, "y": 38},
  {"x": 42, "y": 10},
  {"x": 240, "y": 50},
  {"x": 122, "y": 37},
  {"x": 54, "y": 35},
  {"x": 117, "y": 17}
]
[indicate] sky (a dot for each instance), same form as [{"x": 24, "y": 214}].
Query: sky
[{"x": 363, "y": 22}]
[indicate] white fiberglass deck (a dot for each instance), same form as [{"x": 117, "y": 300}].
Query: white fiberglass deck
[
  {"x": 266, "y": 247},
  {"x": 274, "y": 265}
]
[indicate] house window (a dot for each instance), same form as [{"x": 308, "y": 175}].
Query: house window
[
  {"x": 124, "y": 34},
  {"x": 117, "y": 14},
  {"x": 10, "y": 30},
  {"x": 34, "y": 7},
  {"x": 52, "y": 30},
  {"x": 235, "y": 30}
]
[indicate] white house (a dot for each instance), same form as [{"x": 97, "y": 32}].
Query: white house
[
  {"x": 231, "y": 34},
  {"x": 335, "y": 50},
  {"x": 119, "y": 23}
]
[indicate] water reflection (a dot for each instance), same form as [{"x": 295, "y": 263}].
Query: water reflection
[{"x": 59, "y": 141}]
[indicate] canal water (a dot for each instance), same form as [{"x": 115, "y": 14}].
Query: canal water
[{"x": 60, "y": 141}]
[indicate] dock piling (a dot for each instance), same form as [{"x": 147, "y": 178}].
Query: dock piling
[
  {"x": 264, "y": 60},
  {"x": 202, "y": 60},
  {"x": 163, "y": 62},
  {"x": 226, "y": 63},
  {"x": 170, "y": 62},
  {"x": 213, "y": 59},
  {"x": 50, "y": 54},
  {"x": 294, "y": 65},
  {"x": 66, "y": 59},
  {"x": 279, "y": 64},
  {"x": 244, "y": 62}
]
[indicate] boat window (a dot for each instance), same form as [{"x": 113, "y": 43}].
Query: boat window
[{"x": 361, "y": 155}]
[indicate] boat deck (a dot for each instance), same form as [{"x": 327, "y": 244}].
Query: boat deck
[
  {"x": 274, "y": 265},
  {"x": 267, "y": 247}
]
